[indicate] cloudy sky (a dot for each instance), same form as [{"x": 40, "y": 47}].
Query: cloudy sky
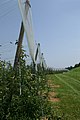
[{"x": 56, "y": 25}]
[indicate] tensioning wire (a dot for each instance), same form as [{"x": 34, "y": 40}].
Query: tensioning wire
[
  {"x": 8, "y": 13},
  {"x": 7, "y": 43},
  {"x": 6, "y": 2},
  {"x": 10, "y": 8}
]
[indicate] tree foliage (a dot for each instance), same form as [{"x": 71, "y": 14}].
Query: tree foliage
[{"x": 23, "y": 94}]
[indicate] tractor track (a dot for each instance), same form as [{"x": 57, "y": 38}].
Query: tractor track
[{"x": 70, "y": 86}]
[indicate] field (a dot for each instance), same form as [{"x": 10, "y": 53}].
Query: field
[{"x": 66, "y": 87}]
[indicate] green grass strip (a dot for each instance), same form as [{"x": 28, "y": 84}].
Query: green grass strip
[{"x": 70, "y": 86}]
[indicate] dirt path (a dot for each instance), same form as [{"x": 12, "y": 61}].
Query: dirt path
[{"x": 53, "y": 94}]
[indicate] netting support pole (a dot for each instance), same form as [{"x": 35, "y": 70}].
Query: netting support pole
[{"x": 19, "y": 44}]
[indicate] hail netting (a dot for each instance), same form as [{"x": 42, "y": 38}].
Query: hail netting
[{"x": 27, "y": 22}]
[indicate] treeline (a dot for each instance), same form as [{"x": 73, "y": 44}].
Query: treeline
[
  {"x": 55, "y": 71},
  {"x": 72, "y": 67}
]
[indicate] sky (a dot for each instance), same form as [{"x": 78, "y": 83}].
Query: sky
[{"x": 56, "y": 25}]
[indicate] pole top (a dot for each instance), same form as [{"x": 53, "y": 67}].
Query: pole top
[
  {"x": 38, "y": 44},
  {"x": 28, "y": 2}
]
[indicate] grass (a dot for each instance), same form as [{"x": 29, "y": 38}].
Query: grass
[{"x": 68, "y": 93}]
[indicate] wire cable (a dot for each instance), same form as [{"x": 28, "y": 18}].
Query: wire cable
[
  {"x": 7, "y": 43},
  {"x": 7, "y": 13},
  {"x": 6, "y": 2},
  {"x": 7, "y": 9},
  {"x": 5, "y": 51}
]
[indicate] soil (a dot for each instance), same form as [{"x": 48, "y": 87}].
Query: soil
[{"x": 52, "y": 95}]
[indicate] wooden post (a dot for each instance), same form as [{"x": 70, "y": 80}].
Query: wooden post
[{"x": 19, "y": 45}]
